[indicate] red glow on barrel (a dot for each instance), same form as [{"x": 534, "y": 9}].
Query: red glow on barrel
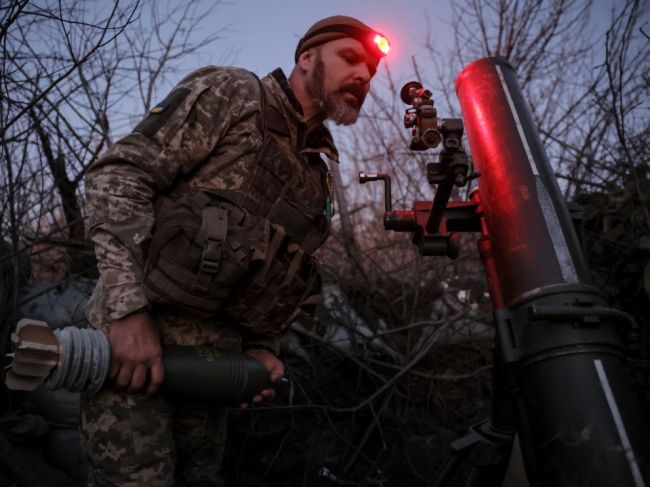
[{"x": 521, "y": 244}]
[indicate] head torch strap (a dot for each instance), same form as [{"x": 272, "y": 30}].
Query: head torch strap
[{"x": 367, "y": 37}]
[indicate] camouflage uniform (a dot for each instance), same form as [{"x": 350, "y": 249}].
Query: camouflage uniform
[{"x": 204, "y": 136}]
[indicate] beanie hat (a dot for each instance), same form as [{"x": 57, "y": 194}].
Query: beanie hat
[{"x": 338, "y": 27}]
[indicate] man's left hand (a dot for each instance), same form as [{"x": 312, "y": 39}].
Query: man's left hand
[{"x": 275, "y": 368}]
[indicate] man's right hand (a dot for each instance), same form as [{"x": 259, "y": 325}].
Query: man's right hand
[{"x": 135, "y": 354}]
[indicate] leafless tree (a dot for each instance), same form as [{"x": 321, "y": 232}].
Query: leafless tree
[
  {"x": 69, "y": 70},
  {"x": 408, "y": 341},
  {"x": 585, "y": 91},
  {"x": 586, "y": 94}
]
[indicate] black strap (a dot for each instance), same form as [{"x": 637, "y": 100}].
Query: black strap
[{"x": 214, "y": 229}]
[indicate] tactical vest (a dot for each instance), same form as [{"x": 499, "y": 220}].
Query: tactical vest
[{"x": 245, "y": 255}]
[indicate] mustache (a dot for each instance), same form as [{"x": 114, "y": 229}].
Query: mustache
[{"x": 355, "y": 89}]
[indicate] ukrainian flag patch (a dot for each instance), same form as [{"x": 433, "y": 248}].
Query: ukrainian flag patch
[
  {"x": 162, "y": 111},
  {"x": 159, "y": 108}
]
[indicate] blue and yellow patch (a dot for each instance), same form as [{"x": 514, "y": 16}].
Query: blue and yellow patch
[
  {"x": 162, "y": 111},
  {"x": 159, "y": 108}
]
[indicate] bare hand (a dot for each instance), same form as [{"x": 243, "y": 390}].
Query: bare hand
[
  {"x": 135, "y": 354},
  {"x": 276, "y": 372}
]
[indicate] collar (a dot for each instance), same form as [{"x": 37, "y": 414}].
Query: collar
[
  {"x": 282, "y": 80},
  {"x": 317, "y": 137}
]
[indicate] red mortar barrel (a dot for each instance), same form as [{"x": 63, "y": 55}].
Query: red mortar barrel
[{"x": 533, "y": 239}]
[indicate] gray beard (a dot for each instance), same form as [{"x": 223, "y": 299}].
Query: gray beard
[{"x": 331, "y": 105}]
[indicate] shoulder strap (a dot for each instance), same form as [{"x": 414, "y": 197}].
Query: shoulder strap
[{"x": 263, "y": 105}]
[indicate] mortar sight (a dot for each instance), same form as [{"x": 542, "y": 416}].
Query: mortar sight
[
  {"x": 421, "y": 116},
  {"x": 413, "y": 90}
]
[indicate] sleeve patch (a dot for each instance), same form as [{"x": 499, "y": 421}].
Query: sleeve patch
[{"x": 160, "y": 114}]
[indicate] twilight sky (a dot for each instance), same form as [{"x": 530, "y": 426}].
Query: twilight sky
[
  {"x": 261, "y": 35},
  {"x": 267, "y": 31}
]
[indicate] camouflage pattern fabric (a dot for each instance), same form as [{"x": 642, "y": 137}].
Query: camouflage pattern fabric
[
  {"x": 135, "y": 440},
  {"x": 204, "y": 136}
]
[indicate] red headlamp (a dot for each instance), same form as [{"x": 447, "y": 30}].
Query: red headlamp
[{"x": 382, "y": 43}]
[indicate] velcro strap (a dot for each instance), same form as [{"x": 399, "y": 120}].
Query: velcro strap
[
  {"x": 294, "y": 265},
  {"x": 214, "y": 228},
  {"x": 274, "y": 246}
]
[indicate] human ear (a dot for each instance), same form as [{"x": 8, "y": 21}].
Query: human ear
[{"x": 306, "y": 59}]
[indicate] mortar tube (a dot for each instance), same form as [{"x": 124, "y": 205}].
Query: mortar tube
[{"x": 580, "y": 416}]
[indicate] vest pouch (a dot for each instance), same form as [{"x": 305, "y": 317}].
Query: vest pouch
[
  {"x": 304, "y": 225},
  {"x": 202, "y": 249},
  {"x": 287, "y": 284}
]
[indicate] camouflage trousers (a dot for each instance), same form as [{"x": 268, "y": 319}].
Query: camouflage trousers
[{"x": 135, "y": 441}]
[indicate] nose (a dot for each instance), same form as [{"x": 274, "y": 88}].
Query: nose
[{"x": 362, "y": 75}]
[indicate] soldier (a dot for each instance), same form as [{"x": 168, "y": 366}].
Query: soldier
[{"x": 235, "y": 162}]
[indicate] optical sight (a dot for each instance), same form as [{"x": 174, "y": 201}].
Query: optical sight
[
  {"x": 421, "y": 116},
  {"x": 428, "y": 130}
]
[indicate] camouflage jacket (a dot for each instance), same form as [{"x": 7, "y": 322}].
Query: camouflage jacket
[{"x": 205, "y": 135}]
